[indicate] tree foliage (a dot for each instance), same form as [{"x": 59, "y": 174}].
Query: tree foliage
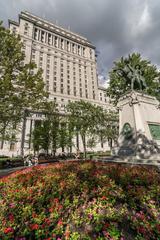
[
  {"x": 90, "y": 122},
  {"x": 20, "y": 88},
  {"x": 119, "y": 86}
]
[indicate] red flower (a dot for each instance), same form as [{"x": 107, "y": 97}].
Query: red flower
[
  {"x": 141, "y": 230},
  {"x": 8, "y": 230},
  {"x": 106, "y": 225},
  {"x": 103, "y": 197},
  {"x": 34, "y": 226},
  {"x": 67, "y": 234},
  {"x": 158, "y": 227},
  {"x": 34, "y": 215},
  {"x": 47, "y": 221},
  {"x": 60, "y": 222},
  {"x": 11, "y": 217},
  {"x": 56, "y": 200},
  {"x": 60, "y": 207}
]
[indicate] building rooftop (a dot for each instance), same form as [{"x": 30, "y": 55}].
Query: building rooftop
[{"x": 53, "y": 27}]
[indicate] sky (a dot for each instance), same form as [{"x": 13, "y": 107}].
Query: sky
[{"x": 116, "y": 27}]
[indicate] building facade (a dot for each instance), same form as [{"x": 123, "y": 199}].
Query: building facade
[{"x": 67, "y": 59}]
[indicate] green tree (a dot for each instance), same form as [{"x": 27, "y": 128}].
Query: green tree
[
  {"x": 105, "y": 125},
  {"x": 84, "y": 116},
  {"x": 45, "y": 133},
  {"x": 20, "y": 87},
  {"x": 108, "y": 130},
  {"x": 119, "y": 84}
]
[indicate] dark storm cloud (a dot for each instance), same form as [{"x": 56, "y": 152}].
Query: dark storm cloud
[{"x": 115, "y": 27}]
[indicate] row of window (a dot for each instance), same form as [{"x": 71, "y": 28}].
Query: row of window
[{"x": 61, "y": 61}]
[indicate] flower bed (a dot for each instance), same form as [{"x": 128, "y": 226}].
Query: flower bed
[{"x": 81, "y": 200}]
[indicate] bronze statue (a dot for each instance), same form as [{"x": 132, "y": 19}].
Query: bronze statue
[{"x": 132, "y": 76}]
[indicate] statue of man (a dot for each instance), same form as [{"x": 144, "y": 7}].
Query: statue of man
[
  {"x": 132, "y": 75},
  {"x": 136, "y": 76}
]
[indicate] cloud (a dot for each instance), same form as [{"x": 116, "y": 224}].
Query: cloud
[{"x": 116, "y": 28}]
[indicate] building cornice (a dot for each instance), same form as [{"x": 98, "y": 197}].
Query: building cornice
[
  {"x": 44, "y": 24},
  {"x": 12, "y": 22}
]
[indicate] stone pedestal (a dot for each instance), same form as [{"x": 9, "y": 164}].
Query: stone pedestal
[{"x": 139, "y": 128}]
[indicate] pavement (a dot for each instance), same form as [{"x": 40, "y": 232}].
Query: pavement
[{"x": 8, "y": 171}]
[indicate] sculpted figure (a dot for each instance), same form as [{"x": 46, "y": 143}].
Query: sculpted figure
[{"x": 132, "y": 76}]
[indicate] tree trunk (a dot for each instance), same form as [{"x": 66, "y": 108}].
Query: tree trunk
[
  {"x": 84, "y": 145},
  {"x": 23, "y": 132},
  {"x": 3, "y": 136},
  {"x": 62, "y": 148},
  {"x": 77, "y": 140}
]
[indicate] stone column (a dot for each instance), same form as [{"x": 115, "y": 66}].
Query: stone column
[
  {"x": 52, "y": 40},
  {"x": 40, "y": 35},
  {"x": 46, "y": 38}
]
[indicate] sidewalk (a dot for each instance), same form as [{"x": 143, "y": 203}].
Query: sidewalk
[{"x": 7, "y": 171}]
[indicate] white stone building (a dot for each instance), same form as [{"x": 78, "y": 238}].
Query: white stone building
[{"x": 68, "y": 61}]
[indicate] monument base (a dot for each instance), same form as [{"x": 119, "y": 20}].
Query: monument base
[{"x": 139, "y": 138}]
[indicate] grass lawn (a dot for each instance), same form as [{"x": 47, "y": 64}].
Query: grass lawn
[{"x": 81, "y": 200}]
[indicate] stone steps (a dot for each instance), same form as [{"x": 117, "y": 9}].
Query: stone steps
[{"x": 132, "y": 161}]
